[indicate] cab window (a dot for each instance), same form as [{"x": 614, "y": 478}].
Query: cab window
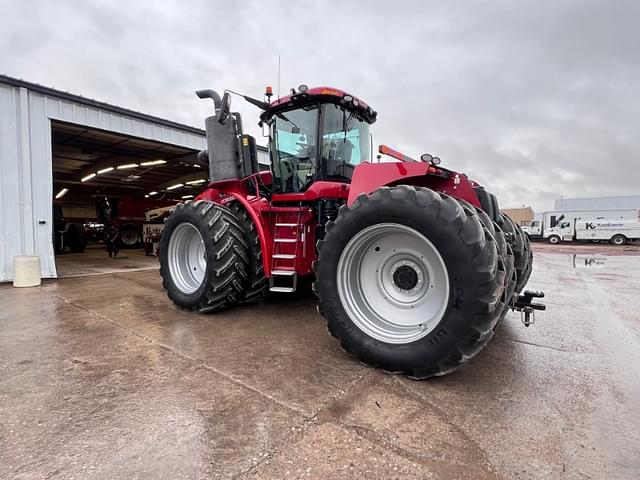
[
  {"x": 345, "y": 142},
  {"x": 294, "y": 148}
]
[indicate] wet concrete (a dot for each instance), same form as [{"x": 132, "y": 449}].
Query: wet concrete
[
  {"x": 101, "y": 377},
  {"x": 95, "y": 261}
]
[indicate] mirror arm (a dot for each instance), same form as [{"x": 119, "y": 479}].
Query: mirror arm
[{"x": 258, "y": 103}]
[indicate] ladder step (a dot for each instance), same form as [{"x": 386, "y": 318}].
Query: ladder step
[
  {"x": 284, "y": 256},
  {"x": 287, "y": 273},
  {"x": 285, "y": 240},
  {"x": 282, "y": 289},
  {"x": 286, "y": 224}
]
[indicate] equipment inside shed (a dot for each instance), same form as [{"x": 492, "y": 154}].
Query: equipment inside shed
[{"x": 103, "y": 184}]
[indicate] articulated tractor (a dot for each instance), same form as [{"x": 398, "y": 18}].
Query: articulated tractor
[{"x": 414, "y": 266}]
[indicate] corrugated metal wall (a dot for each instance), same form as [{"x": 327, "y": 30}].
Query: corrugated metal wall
[
  {"x": 598, "y": 203},
  {"x": 26, "y": 171}
]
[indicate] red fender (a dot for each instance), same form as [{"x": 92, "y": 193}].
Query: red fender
[
  {"x": 263, "y": 233},
  {"x": 235, "y": 190},
  {"x": 368, "y": 177}
]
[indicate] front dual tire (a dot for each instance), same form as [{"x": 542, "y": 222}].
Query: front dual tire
[{"x": 411, "y": 281}]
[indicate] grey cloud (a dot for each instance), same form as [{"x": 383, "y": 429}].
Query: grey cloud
[{"x": 534, "y": 99}]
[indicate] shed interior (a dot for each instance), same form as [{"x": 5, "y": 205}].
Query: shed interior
[{"x": 93, "y": 168}]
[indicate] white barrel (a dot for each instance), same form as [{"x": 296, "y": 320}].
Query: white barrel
[{"x": 26, "y": 271}]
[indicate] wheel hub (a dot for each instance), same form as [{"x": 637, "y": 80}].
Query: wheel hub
[
  {"x": 187, "y": 258},
  {"x": 405, "y": 277}
]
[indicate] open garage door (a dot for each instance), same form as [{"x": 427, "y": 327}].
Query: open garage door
[{"x": 103, "y": 183}]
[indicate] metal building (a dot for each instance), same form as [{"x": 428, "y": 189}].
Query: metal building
[
  {"x": 522, "y": 216},
  {"x": 52, "y": 142},
  {"x": 598, "y": 203}
]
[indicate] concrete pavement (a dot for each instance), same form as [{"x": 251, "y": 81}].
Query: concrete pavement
[{"x": 101, "y": 377}]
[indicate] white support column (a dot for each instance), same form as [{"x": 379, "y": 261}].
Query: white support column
[{"x": 24, "y": 173}]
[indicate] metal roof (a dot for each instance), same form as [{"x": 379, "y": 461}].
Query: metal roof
[
  {"x": 15, "y": 82},
  {"x": 79, "y": 151}
]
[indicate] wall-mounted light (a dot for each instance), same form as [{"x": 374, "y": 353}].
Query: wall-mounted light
[
  {"x": 88, "y": 177},
  {"x": 152, "y": 162},
  {"x": 105, "y": 170},
  {"x": 128, "y": 165},
  {"x": 62, "y": 193},
  {"x": 173, "y": 187}
]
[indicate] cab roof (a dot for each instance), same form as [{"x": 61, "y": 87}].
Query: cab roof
[{"x": 322, "y": 95}]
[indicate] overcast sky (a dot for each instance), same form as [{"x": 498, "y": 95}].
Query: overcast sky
[{"x": 534, "y": 99}]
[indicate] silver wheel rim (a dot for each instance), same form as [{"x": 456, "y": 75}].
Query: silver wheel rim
[
  {"x": 187, "y": 258},
  {"x": 554, "y": 239},
  {"x": 393, "y": 283}
]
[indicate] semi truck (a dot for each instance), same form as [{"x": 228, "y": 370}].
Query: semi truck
[{"x": 553, "y": 224}]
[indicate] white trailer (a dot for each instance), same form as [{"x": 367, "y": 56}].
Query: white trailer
[
  {"x": 540, "y": 229},
  {"x": 617, "y": 231},
  {"x": 152, "y": 228}
]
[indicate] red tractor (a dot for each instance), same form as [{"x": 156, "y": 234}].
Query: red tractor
[{"x": 414, "y": 264}]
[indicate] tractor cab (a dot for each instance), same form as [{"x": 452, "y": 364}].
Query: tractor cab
[{"x": 317, "y": 134}]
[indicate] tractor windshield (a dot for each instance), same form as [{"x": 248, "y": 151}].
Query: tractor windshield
[
  {"x": 295, "y": 135},
  {"x": 345, "y": 142}
]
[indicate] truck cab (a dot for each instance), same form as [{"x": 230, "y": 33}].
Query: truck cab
[{"x": 534, "y": 230}]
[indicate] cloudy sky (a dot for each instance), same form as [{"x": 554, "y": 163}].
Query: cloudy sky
[{"x": 534, "y": 99}]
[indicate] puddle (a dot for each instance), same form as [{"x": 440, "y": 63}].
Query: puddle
[{"x": 588, "y": 261}]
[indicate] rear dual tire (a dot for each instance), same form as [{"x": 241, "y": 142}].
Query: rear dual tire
[
  {"x": 522, "y": 253},
  {"x": 203, "y": 257},
  {"x": 504, "y": 249},
  {"x": 257, "y": 283},
  {"x": 461, "y": 266}
]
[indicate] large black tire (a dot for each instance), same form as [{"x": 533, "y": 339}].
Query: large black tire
[
  {"x": 74, "y": 238},
  {"x": 129, "y": 236},
  {"x": 505, "y": 251},
  {"x": 226, "y": 256},
  {"x": 529, "y": 254},
  {"x": 522, "y": 254},
  {"x": 257, "y": 283},
  {"x": 471, "y": 257},
  {"x": 618, "y": 240},
  {"x": 554, "y": 239}
]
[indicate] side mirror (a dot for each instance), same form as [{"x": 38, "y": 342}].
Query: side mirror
[
  {"x": 426, "y": 158},
  {"x": 225, "y": 109}
]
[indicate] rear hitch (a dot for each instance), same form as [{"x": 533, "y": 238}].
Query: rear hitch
[{"x": 523, "y": 304}]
